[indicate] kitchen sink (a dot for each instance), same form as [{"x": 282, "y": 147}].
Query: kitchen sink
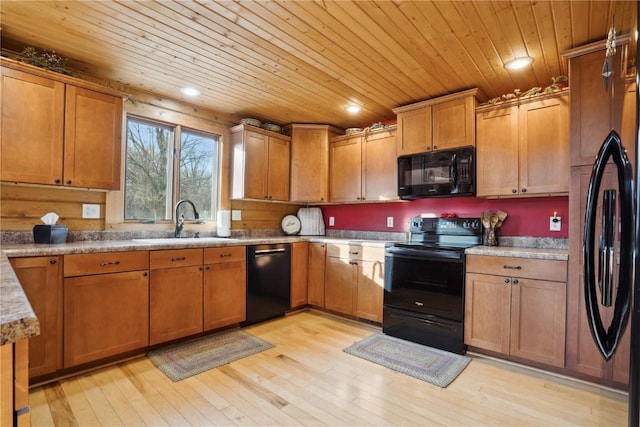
[{"x": 183, "y": 240}]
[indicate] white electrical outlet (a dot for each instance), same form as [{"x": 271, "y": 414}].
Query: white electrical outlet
[
  {"x": 90, "y": 211},
  {"x": 390, "y": 222},
  {"x": 332, "y": 221},
  {"x": 236, "y": 215},
  {"x": 555, "y": 223}
]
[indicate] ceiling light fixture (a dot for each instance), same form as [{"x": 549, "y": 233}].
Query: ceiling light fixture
[
  {"x": 353, "y": 108},
  {"x": 518, "y": 63},
  {"x": 190, "y": 91}
]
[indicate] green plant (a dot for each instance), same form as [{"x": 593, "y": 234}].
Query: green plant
[{"x": 49, "y": 60}]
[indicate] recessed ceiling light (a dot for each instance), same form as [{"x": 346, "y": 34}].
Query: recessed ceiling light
[
  {"x": 518, "y": 63},
  {"x": 353, "y": 109},
  {"x": 190, "y": 91}
]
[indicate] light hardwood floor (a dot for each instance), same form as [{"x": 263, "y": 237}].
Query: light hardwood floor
[{"x": 306, "y": 379}]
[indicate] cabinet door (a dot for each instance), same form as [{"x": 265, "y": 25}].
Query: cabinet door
[
  {"x": 379, "y": 167},
  {"x": 92, "y": 139},
  {"x": 105, "y": 315},
  {"x": 538, "y": 320},
  {"x": 346, "y": 170},
  {"x": 316, "y": 274},
  {"x": 175, "y": 303},
  {"x": 487, "y": 312},
  {"x": 340, "y": 285},
  {"x": 497, "y": 152},
  {"x": 32, "y": 128},
  {"x": 299, "y": 270},
  {"x": 256, "y": 157},
  {"x": 224, "y": 294},
  {"x": 41, "y": 279},
  {"x": 278, "y": 169},
  {"x": 309, "y": 164},
  {"x": 370, "y": 290},
  {"x": 453, "y": 123},
  {"x": 544, "y": 146},
  {"x": 414, "y": 131}
]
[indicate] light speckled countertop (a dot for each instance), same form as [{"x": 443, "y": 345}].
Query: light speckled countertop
[
  {"x": 17, "y": 319},
  {"x": 506, "y": 251}
]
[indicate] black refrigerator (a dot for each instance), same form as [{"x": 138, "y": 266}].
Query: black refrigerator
[{"x": 611, "y": 260}]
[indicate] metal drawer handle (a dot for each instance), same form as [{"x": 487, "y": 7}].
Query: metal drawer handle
[
  {"x": 103, "y": 263},
  {"x": 225, "y": 255},
  {"x": 353, "y": 252},
  {"x": 511, "y": 267},
  {"x": 182, "y": 258}
]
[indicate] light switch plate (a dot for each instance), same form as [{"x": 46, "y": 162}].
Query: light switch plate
[
  {"x": 332, "y": 221},
  {"x": 90, "y": 211},
  {"x": 236, "y": 215},
  {"x": 390, "y": 222},
  {"x": 555, "y": 223}
]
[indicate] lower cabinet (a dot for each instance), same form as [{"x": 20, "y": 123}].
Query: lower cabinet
[
  {"x": 517, "y": 307},
  {"x": 354, "y": 281},
  {"x": 105, "y": 315},
  {"x": 41, "y": 279},
  {"x": 14, "y": 384},
  {"x": 299, "y": 269},
  {"x": 224, "y": 287},
  {"x": 316, "y": 274},
  {"x": 175, "y": 294}
]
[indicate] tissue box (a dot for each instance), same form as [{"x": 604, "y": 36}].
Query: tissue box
[{"x": 50, "y": 233}]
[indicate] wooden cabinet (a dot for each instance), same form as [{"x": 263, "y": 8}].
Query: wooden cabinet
[
  {"x": 523, "y": 149},
  {"x": 354, "y": 281},
  {"x": 224, "y": 287},
  {"x": 105, "y": 313},
  {"x": 14, "y": 384},
  {"x": 175, "y": 294},
  {"x": 310, "y": 161},
  {"x": 299, "y": 271},
  {"x": 261, "y": 163},
  {"x": 41, "y": 280},
  {"x": 517, "y": 307},
  {"x": 73, "y": 137},
  {"x": 315, "y": 287},
  {"x": 363, "y": 167},
  {"x": 437, "y": 124}
]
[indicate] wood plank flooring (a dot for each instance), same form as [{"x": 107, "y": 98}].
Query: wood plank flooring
[{"x": 306, "y": 379}]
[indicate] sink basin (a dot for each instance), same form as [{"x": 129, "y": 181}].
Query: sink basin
[{"x": 183, "y": 240}]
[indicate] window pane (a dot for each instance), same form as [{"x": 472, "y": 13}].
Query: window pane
[
  {"x": 199, "y": 172},
  {"x": 148, "y": 170}
]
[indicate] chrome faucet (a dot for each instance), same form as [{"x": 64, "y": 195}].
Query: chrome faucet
[{"x": 180, "y": 219}]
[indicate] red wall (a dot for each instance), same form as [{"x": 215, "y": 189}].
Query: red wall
[{"x": 526, "y": 217}]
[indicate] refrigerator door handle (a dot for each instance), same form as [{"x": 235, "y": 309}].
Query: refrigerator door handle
[
  {"x": 607, "y": 339},
  {"x": 606, "y": 249}
]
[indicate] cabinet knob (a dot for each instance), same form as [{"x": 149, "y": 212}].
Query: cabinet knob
[
  {"x": 53, "y": 261},
  {"x": 68, "y": 181},
  {"x": 435, "y": 147},
  {"x": 514, "y": 191},
  {"x": 524, "y": 190},
  {"x": 515, "y": 281},
  {"x": 145, "y": 274},
  {"x": 506, "y": 280},
  {"x": 58, "y": 181}
]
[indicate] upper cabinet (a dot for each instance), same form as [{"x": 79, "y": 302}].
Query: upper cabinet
[
  {"x": 523, "y": 147},
  {"x": 363, "y": 167},
  {"x": 59, "y": 130},
  {"x": 310, "y": 161},
  {"x": 437, "y": 124},
  {"x": 261, "y": 160}
]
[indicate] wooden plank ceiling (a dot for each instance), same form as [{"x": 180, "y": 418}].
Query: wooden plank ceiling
[{"x": 304, "y": 61}]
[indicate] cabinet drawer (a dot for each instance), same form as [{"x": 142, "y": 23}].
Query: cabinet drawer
[
  {"x": 108, "y": 262},
  {"x": 366, "y": 253},
  {"x": 226, "y": 254},
  {"x": 542, "y": 269},
  {"x": 175, "y": 258}
]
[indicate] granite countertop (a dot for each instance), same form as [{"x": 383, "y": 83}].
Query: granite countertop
[{"x": 17, "y": 319}]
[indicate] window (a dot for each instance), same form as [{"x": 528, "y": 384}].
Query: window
[{"x": 167, "y": 163}]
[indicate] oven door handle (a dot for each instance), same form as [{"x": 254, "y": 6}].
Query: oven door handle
[{"x": 425, "y": 254}]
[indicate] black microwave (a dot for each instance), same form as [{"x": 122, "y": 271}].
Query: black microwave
[{"x": 437, "y": 174}]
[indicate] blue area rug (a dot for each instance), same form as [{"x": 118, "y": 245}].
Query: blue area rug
[
  {"x": 189, "y": 358},
  {"x": 428, "y": 364}
]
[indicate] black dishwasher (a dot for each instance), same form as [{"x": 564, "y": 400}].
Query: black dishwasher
[{"x": 268, "y": 281}]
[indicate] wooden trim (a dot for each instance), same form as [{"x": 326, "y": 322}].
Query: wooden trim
[
  {"x": 621, "y": 40},
  {"x": 403, "y": 109}
]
